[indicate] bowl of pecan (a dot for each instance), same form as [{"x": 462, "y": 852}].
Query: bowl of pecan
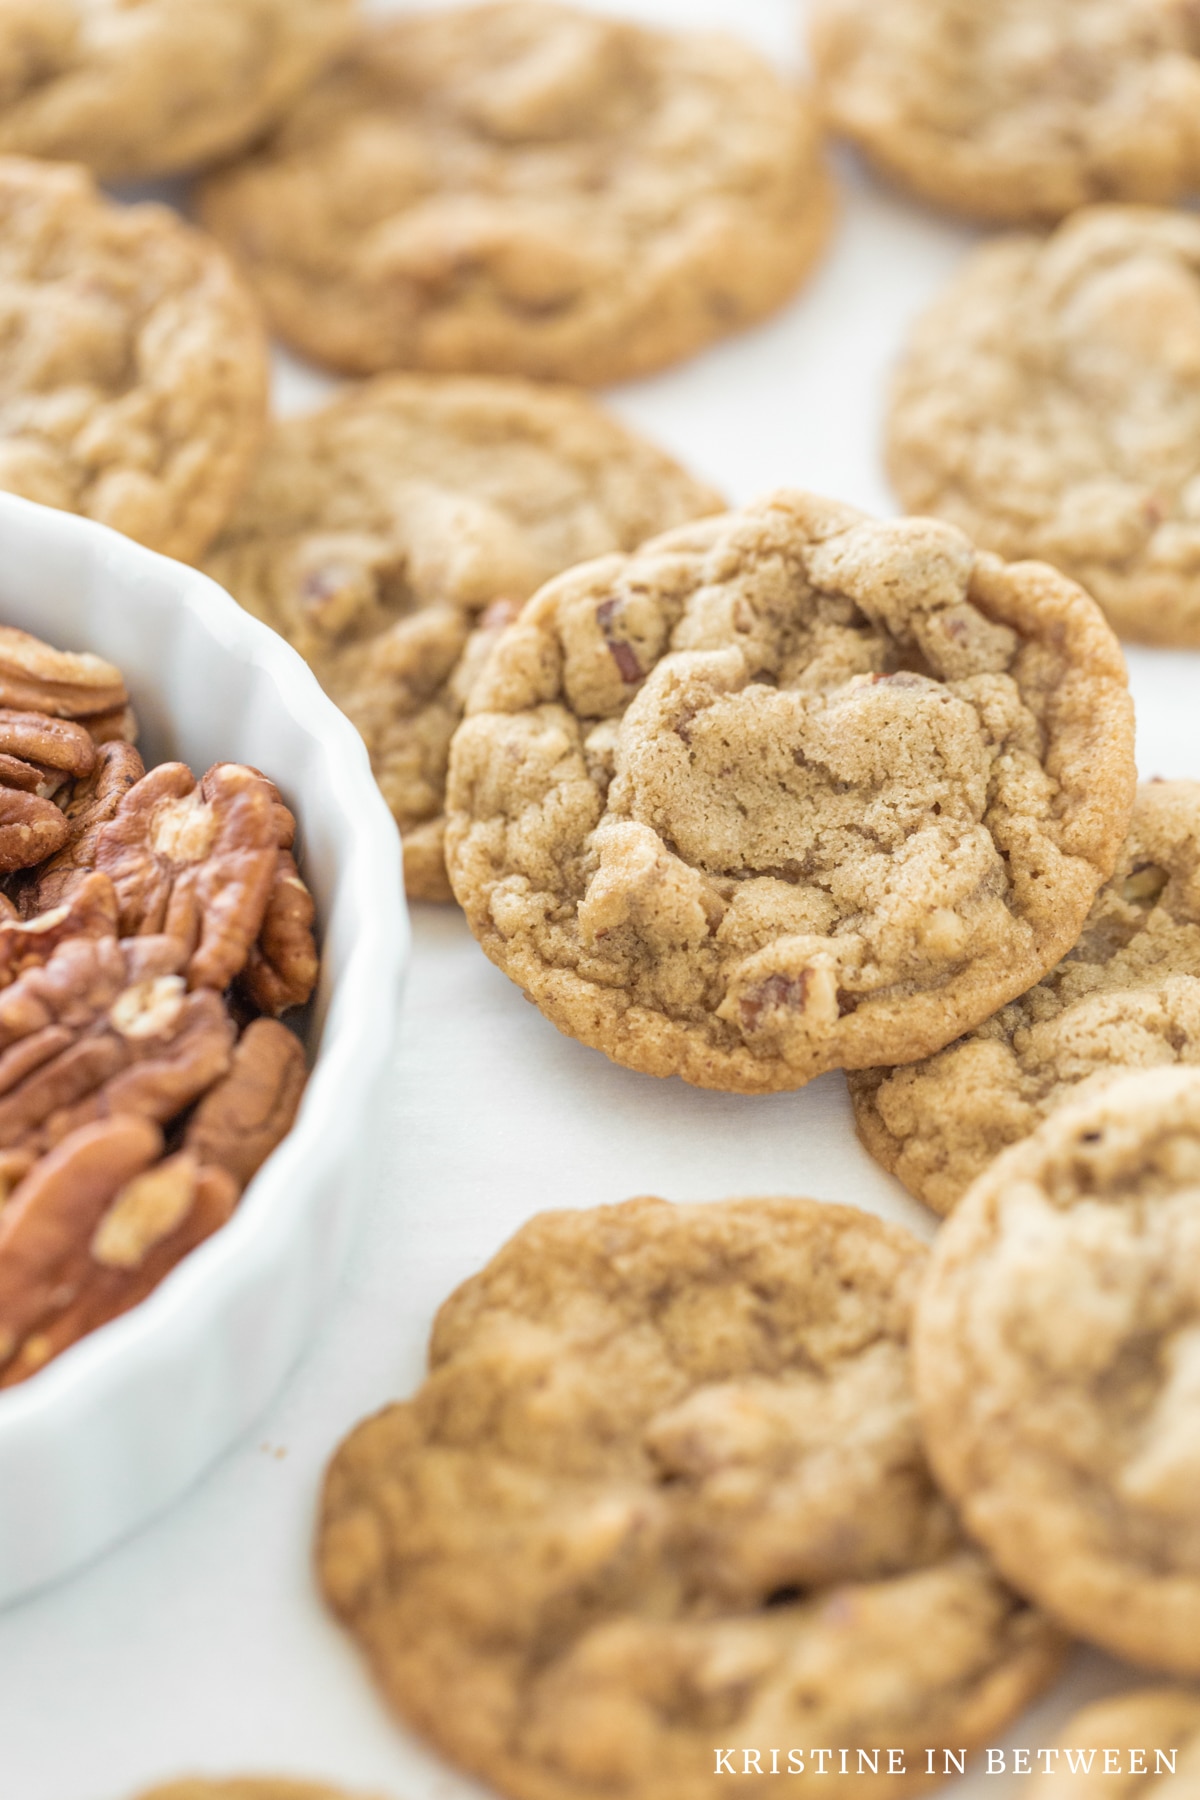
[{"x": 202, "y": 938}]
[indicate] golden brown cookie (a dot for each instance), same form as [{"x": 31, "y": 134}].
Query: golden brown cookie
[
  {"x": 157, "y": 86},
  {"x": 1017, "y": 110},
  {"x": 523, "y": 188},
  {"x": 135, "y": 368},
  {"x": 389, "y": 535},
  {"x": 1144, "y": 1741},
  {"x": 1126, "y": 996},
  {"x": 1057, "y": 1351},
  {"x": 1049, "y": 404},
  {"x": 786, "y": 786},
  {"x": 247, "y": 1787},
  {"x": 662, "y": 1491}
]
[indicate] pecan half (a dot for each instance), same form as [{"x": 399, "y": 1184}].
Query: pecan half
[
  {"x": 69, "y": 685},
  {"x": 98, "y": 1224},
  {"x": 281, "y": 970},
  {"x": 88, "y": 805},
  {"x": 30, "y": 829},
  {"x": 241, "y": 1120},
  {"x": 196, "y": 860}
]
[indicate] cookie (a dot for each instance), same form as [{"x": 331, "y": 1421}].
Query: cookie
[
  {"x": 251, "y": 1787},
  {"x": 1056, "y": 1366},
  {"x": 1126, "y": 996},
  {"x": 391, "y": 535},
  {"x": 522, "y": 188},
  {"x": 661, "y": 1491},
  {"x": 1155, "y": 1734},
  {"x": 1017, "y": 110},
  {"x": 135, "y": 385},
  {"x": 159, "y": 86},
  {"x": 786, "y": 786},
  {"x": 1049, "y": 404}
]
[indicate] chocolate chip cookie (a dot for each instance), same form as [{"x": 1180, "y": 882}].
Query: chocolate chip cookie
[
  {"x": 1017, "y": 110},
  {"x": 1126, "y": 996},
  {"x": 1144, "y": 1728},
  {"x": 661, "y": 1491},
  {"x": 1056, "y": 1358},
  {"x": 786, "y": 786},
  {"x": 135, "y": 369},
  {"x": 523, "y": 188},
  {"x": 1049, "y": 404},
  {"x": 391, "y": 535},
  {"x": 162, "y": 85}
]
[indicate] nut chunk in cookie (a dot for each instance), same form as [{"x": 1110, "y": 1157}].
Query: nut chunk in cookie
[
  {"x": 1126, "y": 996},
  {"x": 1048, "y": 404},
  {"x": 1057, "y": 1360},
  {"x": 1017, "y": 110},
  {"x": 788, "y": 786},
  {"x": 662, "y": 1489},
  {"x": 525, "y": 188}
]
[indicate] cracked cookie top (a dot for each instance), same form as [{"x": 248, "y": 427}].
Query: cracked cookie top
[
  {"x": 1057, "y": 1363},
  {"x": 523, "y": 188},
  {"x": 662, "y": 1490},
  {"x": 388, "y": 534},
  {"x": 786, "y": 786},
  {"x": 1048, "y": 403},
  {"x": 1126, "y": 996},
  {"x": 1017, "y": 110},
  {"x": 135, "y": 370},
  {"x": 159, "y": 86}
]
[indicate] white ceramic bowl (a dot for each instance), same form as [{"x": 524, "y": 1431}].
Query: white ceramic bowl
[{"x": 120, "y": 1424}]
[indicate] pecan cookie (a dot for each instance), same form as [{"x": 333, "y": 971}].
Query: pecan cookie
[
  {"x": 158, "y": 86},
  {"x": 135, "y": 364},
  {"x": 787, "y": 786},
  {"x": 1126, "y": 996},
  {"x": 1049, "y": 404},
  {"x": 615, "y": 1520},
  {"x": 248, "y": 1787},
  {"x": 1135, "y": 1725},
  {"x": 523, "y": 188},
  {"x": 390, "y": 534},
  {"x": 1017, "y": 109},
  {"x": 1057, "y": 1349}
]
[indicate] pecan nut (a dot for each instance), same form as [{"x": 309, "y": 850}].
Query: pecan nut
[
  {"x": 241, "y": 1120},
  {"x": 93, "y": 1228},
  {"x": 196, "y": 860},
  {"x": 30, "y": 829},
  {"x": 87, "y": 805},
  {"x": 67, "y": 684},
  {"x": 281, "y": 970}
]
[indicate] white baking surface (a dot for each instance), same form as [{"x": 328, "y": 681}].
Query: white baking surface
[{"x": 201, "y": 1645}]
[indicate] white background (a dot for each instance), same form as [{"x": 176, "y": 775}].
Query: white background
[{"x": 201, "y": 1645}]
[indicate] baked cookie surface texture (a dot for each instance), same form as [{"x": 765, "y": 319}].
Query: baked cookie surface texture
[
  {"x": 522, "y": 188},
  {"x": 1126, "y": 996},
  {"x": 662, "y": 1491},
  {"x": 155, "y": 86},
  {"x": 1136, "y": 1725},
  {"x": 1017, "y": 110},
  {"x": 786, "y": 786},
  {"x": 1049, "y": 404},
  {"x": 1055, "y": 1359},
  {"x": 388, "y": 535},
  {"x": 135, "y": 371}
]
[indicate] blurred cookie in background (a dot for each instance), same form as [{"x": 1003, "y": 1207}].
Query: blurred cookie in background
[
  {"x": 135, "y": 367},
  {"x": 1154, "y": 1734},
  {"x": 1048, "y": 403},
  {"x": 248, "y": 1787},
  {"x": 391, "y": 535},
  {"x": 1016, "y": 110},
  {"x": 157, "y": 86},
  {"x": 522, "y": 188},
  {"x": 1127, "y": 996}
]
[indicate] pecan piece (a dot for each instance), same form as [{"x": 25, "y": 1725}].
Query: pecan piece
[
  {"x": 241, "y": 1120},
  {"x": 195, "y": 860},
  {"x": 36, "y": 678},
  {"x": 58, "y": 747},
  {"x": 30, "y": 829},
  {"x": 88, "y": 804},
  {"x": 150, "y": 1217},
  {"x": 281, "y": 970},
  {"x": 90, "y": 911}
]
